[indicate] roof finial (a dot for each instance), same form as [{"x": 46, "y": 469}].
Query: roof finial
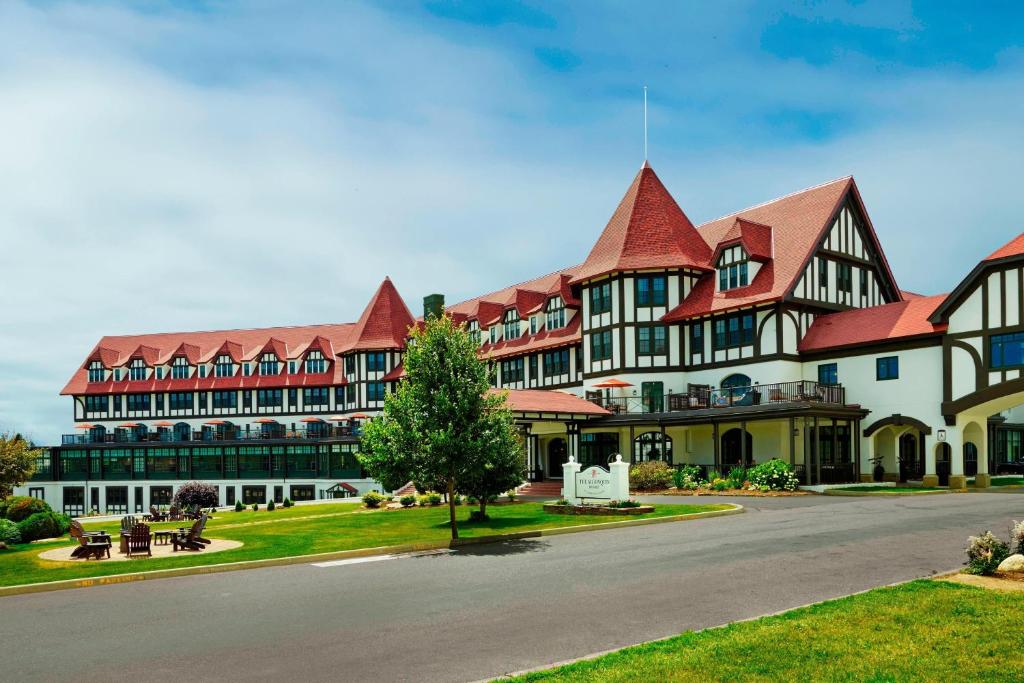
[{"x": 645, "y": 125}]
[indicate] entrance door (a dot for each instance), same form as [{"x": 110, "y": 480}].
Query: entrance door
[
  {"x": 943, "y": 463},
  {"x": 556, "y": 457},
  {"x": 732, "y": 449},
  {"x": 653, "y": 396},
  {"x": 970, "y": 459},
  {"x": 911, "y": 462}
]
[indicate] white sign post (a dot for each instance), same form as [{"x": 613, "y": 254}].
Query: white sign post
[{"x": 595, "y": 483}]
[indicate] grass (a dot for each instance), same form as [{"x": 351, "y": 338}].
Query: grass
[
  {"x": 304, "y": 530},
  {"x": 1012, "y": 480},
  {"x": 888, "y": 489},
  {"x": 921, "y": 631}
]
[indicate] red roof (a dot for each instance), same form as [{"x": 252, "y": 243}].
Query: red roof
[
  {"x": 755, "y": 238},
  {"x": 544, "y": 339},
  {"x": 858, "y": 326},
  {"x": 487, "y": 308},
  {"x": 1014, "y": 247},
  {"x": 384, "y": 324},
  {"x": 798, "y": 223},
  {"x": 545, "y": 401},
  {"x": 647, "y": 230}
]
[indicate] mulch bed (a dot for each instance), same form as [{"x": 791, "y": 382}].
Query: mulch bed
[{"x": 732, "y": 492}]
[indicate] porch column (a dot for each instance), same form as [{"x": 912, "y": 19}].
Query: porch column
[
  {"x": 664, "y": 450},
  {"x": 743, "y": 443},
  {"x": 792, "y": 442},
  {"x": 714, "y": 440},
  {"x": 867, "y": 447},
  {"x": 573, "y": 445},
  {"x": 931, "y": 475},
  {"x": 955, "y": 439},
  {"x": 982, "y": 478},
  {"x": 817, "y": 451}
]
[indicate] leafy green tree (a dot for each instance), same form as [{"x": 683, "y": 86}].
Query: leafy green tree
[
  {"x": 441, "y": 421},
  {"x": 495, "y": 460},
  {"x": 17, "y": 462}
]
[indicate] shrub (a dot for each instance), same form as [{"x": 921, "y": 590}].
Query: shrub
[
  {"x": 511, "y": 495},
  {"x": 721, "y": 485},
  {"x": 984, "y": 553},
  {"x": 688, "y": 478},
  {"x": 9, "y": 532},
  {"x": 255, "y": 507},
  {"x": 41, "y": 525},
  {"x": 457, "y": 499},
  {"x": 478, "y": 516},
  {"x": 775, "y": 474},
  {"x": 737, "y": 477},
  {"x": 562, "y": 501},
  {"x": 238, "y": 506},
  {"x": 423, "y": 500},
  {"x": 196, "y": 493},
  {"x": 630, "y": 503},
  {"x": 713, "y": 474},
  {"x": 287, "y": 503},
  {"x": 650, "y": 475},
  {"x": 270, "y": 505},
  {"x": 434, "y": 498},
  {"x": 18, "y": 508},
  {"x": 372, "y": 499},
  {"x": 408, "y": 500}
]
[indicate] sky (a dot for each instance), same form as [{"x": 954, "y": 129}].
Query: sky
[{"x": 214, "y": 165}]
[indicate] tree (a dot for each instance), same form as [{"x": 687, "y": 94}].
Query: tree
[
  {"x": 17, "y": 462},
  {"x": 441, "y": 420},
  {"x": 495, "y": 461},
  {"x": 196, "y": 493}
]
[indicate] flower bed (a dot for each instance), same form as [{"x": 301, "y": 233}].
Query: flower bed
[
  {"x": 568, "y": 509},
  {"x": 749, "y": 493}
]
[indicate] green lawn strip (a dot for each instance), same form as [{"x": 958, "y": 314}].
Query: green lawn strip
[
  {"x": 291, "y": 536},
  {"x": 921, "y": 631},
  {"x": 1007, "y": 481}
]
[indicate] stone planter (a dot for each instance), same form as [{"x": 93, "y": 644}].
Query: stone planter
[{"x": 596, "y": 510}]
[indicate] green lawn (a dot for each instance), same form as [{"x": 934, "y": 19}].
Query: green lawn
[
  {"x": 888, "y": 489},
  {"x": 306, "y": 530},
  {"x": 921, "y": 631},
  {"x": 1007, "y": 480}
]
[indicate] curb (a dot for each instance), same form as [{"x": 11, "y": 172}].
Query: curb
[
  {"x": 868, "y": 494},
  {"x": 113, "y": 579}
]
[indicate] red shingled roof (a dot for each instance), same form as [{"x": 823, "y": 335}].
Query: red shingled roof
[
  {"x": 756, "y": 239},
  {"x": 544, "y": 339},
  {"x": 858, "y": 326},
  {"x": 1014, "y": 247},
  {"x": 548, "y": 401},
  {"x": 487, "y": 308},
  {"x": 384, "y": 324},
  {"x": 647, "y": 230},
  {"x": 798, "y": 222}
]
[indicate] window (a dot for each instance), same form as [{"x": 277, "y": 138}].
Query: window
[
  {"x": 863, "y": 281},
  {"x": 138, "y": 402},
  {"x": 350, "y": 393},
  {"x": 160, "y": 495},
  {"x": 314, "y": 396},
  {"x": 268, "y": 364},
  {"x": 224, "y": 367},
  {"x": 533, "y": 324},
  {"x": 202, "y": 371},
  {"x": 350, "y": 365},
  {"x": 887, "y": 368},
  {"x": 303, "y": 492},
  {"x": 554, "y": 313},
  {"x": 512, "y": 371},
  {"x": 246, "y": 369},
  {"x": 96, "y": 371},
  {"x": 822, "y": 271},
  {"x": 225, "y": 399},
  {"x": 533, "y": 368},
  {"x": 601, "y": 298},
  {"x": 1007, "y": 350},
  {"x": 269, "y": 398},
  {"x": 159, "y": 372},
  {"x": 179, "y": 368},
  {"x": 315, "y": 362},
  {"x": 650, "y": 290},
  {"x": 650, "y": 341},
  {"x": 601, "y": 345},
  {"x": 375, "y": 361},
  {"x": 556, "y": 362},
  {"x": 828, "y": 373},
  {"x": 474, "y": 330},
  {"x": 375, "y": 391},
  {"x": 254, "y": 494},
  {"x": 291, "y": 367},
  {"x": 229, "y": 495},
  {"x": 844, "y": 277},
  {"x": 511, "y": 327},
  {"x": 181, "y": 400},
  {"x": 96, "y": 404},
  {"x": 137, "y": 370},
  {"x": 736, "y": 330},
  {"x": 494, "y": 334},
  {"x": 696, "y": 339},
  {"x": 733, "y": 269}
]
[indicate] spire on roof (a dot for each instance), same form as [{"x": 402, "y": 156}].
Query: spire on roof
[
  {"x": 385, "y": 322},
  {"x": 647, "y": 230}
]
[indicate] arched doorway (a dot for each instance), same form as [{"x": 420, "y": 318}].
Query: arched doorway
[
  {"x": 733, "y": 448},
  {"x": 182, "y": 431},
  {"x": 970, "y": 459},
  {"x": 943, "y": 463},
  {"x": 556, "y": 457},
  {"x": 652, "y": 446},
  {"x": 911, "y": 461},
  {"x": 97, "y": 434}
]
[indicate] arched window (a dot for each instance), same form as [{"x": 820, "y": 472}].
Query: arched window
[
  {"x": 652, "y": 446},
  {"x": 735, "y": 388}
]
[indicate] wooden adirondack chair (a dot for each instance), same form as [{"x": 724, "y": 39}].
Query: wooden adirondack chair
[
  {"x": 155, "y": 515},
  {"x": 193, "y": 540},
  {"x": 139, "y": 540},
  {"x": 174, "y": 514},
  {"x": 90, "y": 544}
]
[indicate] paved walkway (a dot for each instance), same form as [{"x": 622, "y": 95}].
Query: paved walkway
[{"x": 491, "y": 609}]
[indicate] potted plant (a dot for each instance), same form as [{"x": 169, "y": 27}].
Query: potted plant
[{"x": 879, "y": 469}]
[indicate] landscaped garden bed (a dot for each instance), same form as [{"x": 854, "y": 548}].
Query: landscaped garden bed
[
  {"x": 566, "y": 508},
  {"x": 770, "y": 478}
]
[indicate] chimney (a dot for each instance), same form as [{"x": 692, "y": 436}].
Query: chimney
[{"x": 433, "y": 306}]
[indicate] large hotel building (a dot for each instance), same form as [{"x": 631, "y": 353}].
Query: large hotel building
[{"x": 775, "y": 331}]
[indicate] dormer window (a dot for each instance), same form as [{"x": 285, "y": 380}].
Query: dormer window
[
  {"x": 268, "y": 364},
  {"x": 180, "y": 368},
  {"x": 555, "y": 313},
  {"x": 474, "y": 330},
  {"x": 137, "y": 370},
  {"x": 315, "y": 362},
  {"x": 511, "y": 330},
  {"x": 494, "y": 334},
  {"x": 223, "y": 366},
  {"x": 534, "y": 321},
  {"x": 96, "y": 371},
  {"x": 733, "y": 269}
]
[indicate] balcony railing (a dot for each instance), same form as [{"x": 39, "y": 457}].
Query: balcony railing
[
  {"x": 207, "y": 435},
  {"x": 804, "y": 391}
]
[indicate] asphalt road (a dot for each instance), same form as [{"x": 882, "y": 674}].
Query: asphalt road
[{"x": 493, "y": 609}]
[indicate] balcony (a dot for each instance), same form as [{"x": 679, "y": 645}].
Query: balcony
[
  {"x": 703, "y": 398},
  {"x": 269, "y": 432}
]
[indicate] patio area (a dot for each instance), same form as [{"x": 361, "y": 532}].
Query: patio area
[{"x": 65, "y": 553}]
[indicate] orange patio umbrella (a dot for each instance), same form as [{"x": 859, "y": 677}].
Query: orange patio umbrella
[
  {"x": 217, "y": 423},
  {"x": 613, "y": 383},
  {"x": 84, "y": 426},
  {"x": 265, "y": 421},
  {"x": 360, "y": 416},
  {"x": 163, "y": 423},
  {"x": 311, "y": 419},
  {"x": 129, "y": 425}
]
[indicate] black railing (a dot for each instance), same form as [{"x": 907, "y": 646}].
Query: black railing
[
  {"x": 804, "y": 391},
  {"x": 181, "y": 436}
]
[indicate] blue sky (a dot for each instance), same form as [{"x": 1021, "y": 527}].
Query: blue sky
[{"x": 211, "y": 165}]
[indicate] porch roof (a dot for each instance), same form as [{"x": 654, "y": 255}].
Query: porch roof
[{"x": 772, "y": 411}]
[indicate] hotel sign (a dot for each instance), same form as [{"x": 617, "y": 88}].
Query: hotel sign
[{"x": 594, "y": 482}]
